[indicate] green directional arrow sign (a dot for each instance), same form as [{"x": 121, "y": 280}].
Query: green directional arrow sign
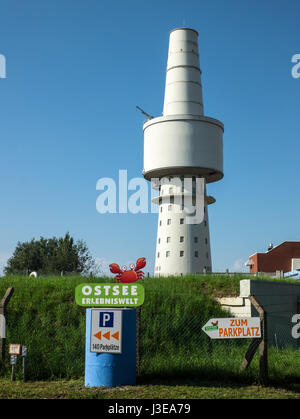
[{"x": 109, "y": 295}]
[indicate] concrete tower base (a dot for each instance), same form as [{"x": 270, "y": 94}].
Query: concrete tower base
[{"x": 182, "y": 247}]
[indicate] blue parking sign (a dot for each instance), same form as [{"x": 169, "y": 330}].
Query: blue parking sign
[
  {"x": 106, "y": 330},
  {"x": 106, "y": 319}
]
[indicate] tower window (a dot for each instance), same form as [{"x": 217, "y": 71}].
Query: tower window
[
  {"x": 181, "y": 239},
  {"x": 169, "y": 221},
  {"x": 181, "y": 253},
  {"x": 206, "y": 255},
  {"x": 168, "y": 239},
  {"x": 206, "y": 241},
  {"x": 160, "y": 223},
  {"x": 195, "y": 239},
  {"x": 196, "y": 253},
  {"x": 158, "y": 254},
  {"x": 158, "y": 241},
  {"x": 161, "y": 209},
  {"x": 168, "y": 253},
  {"x": 181, "y": 220}
]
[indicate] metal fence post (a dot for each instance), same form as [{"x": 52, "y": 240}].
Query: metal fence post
[{"x": 138, "y": 330}]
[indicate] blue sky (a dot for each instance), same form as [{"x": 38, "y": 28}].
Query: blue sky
[{"x": 76, "y": 71}]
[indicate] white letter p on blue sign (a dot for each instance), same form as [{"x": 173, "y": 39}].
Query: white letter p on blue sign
[{"x": 106, "y": 319}]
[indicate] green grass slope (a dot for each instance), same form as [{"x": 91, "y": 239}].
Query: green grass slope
[{"x": 43, "y": 315}]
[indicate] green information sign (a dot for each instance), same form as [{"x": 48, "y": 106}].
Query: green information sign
[{"x": 109, "y": 295}]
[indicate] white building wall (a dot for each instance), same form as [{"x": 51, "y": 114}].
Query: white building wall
[{"x": 295, "y": 264}]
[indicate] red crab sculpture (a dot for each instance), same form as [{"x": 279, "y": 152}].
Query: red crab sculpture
[{"x": 131, "y": 275}]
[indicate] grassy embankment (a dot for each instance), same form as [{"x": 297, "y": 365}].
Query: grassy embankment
[{"x": 43, "y": 315}]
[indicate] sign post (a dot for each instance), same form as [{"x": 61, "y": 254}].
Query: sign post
[
  {"x": 254, "y": 328},
  {"x": 111, "y": 323},
  {"x": 110, "y": 350},
  {"x": 13, "y": 362},
  {"x": 14, "y": 351},
  {"x": 24, "y": 355}
]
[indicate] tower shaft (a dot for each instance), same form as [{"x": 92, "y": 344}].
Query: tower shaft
[
  {"x": 181, "y": 247},
  {"x": 183, "y": 91}
]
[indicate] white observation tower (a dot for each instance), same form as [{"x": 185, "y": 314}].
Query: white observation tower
[{"x": 181, "y": 144}]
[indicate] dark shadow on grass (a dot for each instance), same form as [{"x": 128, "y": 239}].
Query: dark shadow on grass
[{"x": 215, "y": 378}]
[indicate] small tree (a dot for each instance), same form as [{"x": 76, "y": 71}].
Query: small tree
[{"x": 52, "y": 255}]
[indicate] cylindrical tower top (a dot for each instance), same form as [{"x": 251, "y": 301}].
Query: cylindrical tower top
[
  {"x": 183, "y": 92},
  {"x": 183, "y": 140}
]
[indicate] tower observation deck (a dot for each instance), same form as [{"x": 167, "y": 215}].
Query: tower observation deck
[{"x": 180, "y": 145}]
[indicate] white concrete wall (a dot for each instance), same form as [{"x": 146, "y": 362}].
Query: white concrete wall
[
  {"x": 236, "y": 306},
  {"x": 280, "y": 300}
]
